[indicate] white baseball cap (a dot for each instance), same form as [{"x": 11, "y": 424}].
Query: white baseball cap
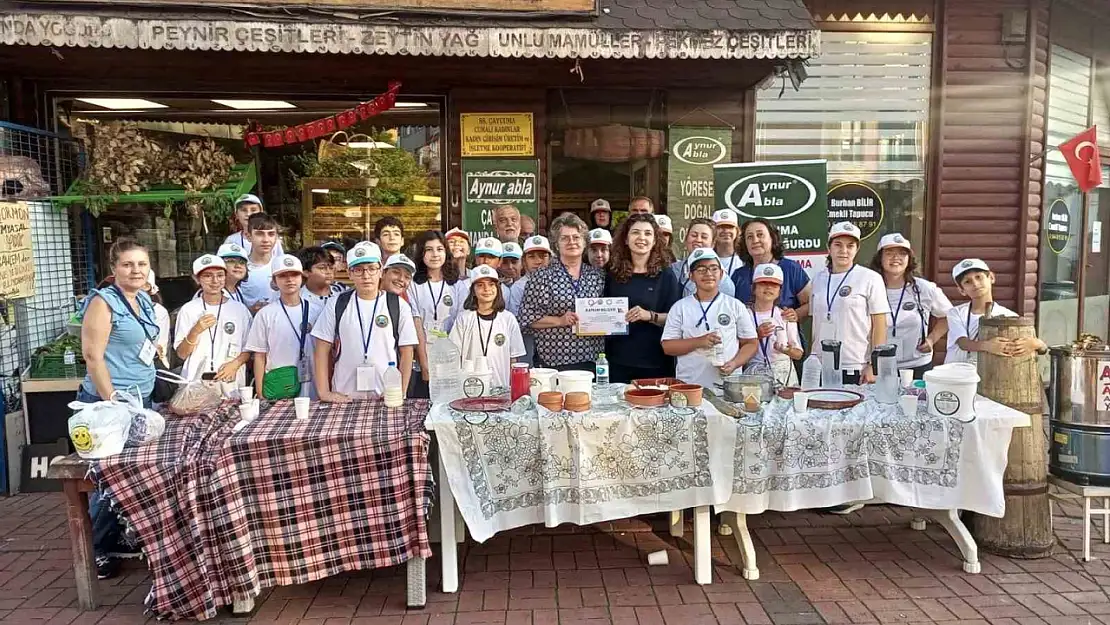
[
  {"x": 700, "y": 254},
  {"x": 456, "y": 232},
  {"x": 287, "y": 263},
  {"x": 725, "y": 217},
  {"x": 490, "y": 247},
  {"x": 247, "y": 198},
  {"x": 664, "y": 223},
  {"x": 600, "y": 205},
  {"x": 208, "y": 261},
  {"x": 362, "y": 253},
  {"x": 600, "y": 236},
  {"x": 844, "y": 229},
  {"x": 894, "y": 240},
  {"x": 231, "y": 250},
  {"x": 537, "y": 242},
  {"x": 400, "y": 260},
  {"x": 767, "y": 272},
  {"x": 482, "y": 272},
  {"x": 151, "y": 279},
  {"x": 511, "y": 250},
  {"x": 966, "y": 265}
]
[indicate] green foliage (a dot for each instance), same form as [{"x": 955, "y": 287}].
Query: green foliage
[{"x": 399, "y": 175}]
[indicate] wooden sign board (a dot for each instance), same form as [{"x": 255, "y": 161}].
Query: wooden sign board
[
  {"x": 530, "y": 6},
  {"x": 17, "y": 263},
  {"x": 492, "y": 135}
]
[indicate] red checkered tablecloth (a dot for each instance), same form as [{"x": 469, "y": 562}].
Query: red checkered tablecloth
[{"x": 222, "y": 515}]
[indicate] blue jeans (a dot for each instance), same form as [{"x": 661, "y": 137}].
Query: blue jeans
[{"x": 105, "y": 524}]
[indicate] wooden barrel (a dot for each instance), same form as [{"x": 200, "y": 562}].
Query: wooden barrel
[{"x": 1026, "y": 529}]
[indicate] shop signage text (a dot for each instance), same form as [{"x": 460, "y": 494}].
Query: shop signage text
[
  {"x": 553, "y": 6},
  {"x": 489, "y": 183},
  {"x": 17, "y": 263},
  {"x": 692, "y": 151},
  {"x": 497, "y": 134},
  {"x": 858, "y": 203},
  {"x": 244, "y": 36},
  {"x": 1058, "y": 228},
  {"x": 792, "y": 195}
]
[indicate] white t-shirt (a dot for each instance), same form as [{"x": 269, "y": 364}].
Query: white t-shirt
[
  {"x": 276, "y": 335},
  {"x": 256, "y": 287},
  {"x": 501, "y": 337},
  {"x": 856, "y": 295},
  {"x": 729, "y": 264},
  {"x": 962, "y": 325},
  {"x": 786, "y": 334},
  {"x": 436, "y": 303},
  {"x": 352, "y": 338},
  {"x": 226, "y": 340},
  {"x": 162, "y": 318},
  {"x": 241, "y": 239},
  {"x": 686, "y": 283},
  {"x": 912, "y": 322},
  {"x": 726, "y": 315}
]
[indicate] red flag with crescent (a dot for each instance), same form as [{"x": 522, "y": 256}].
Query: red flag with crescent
[{"x": 1081, "y": 153}]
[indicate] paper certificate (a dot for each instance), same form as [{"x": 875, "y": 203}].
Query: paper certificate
[{"x": 601, "y": 316}]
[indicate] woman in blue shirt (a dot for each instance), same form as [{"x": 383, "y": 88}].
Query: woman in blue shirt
[{"x": 761, "y": 244}]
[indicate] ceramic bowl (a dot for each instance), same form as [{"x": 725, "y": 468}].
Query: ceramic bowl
[
  {"x": 552, "y": 400},
  {"x": 577, "y": 402},
  {"x": 647, "y": 398},
  {"x": 693, "y": 393},
  {"x": 656, "y": 383}
]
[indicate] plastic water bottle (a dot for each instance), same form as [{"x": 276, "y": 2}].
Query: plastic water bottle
[
  {"x": 444, "y": 373},
  {"x": 394, "y": 394},
  {"x": 811, "y": 373},
  {"x": 601, "y": 370}
]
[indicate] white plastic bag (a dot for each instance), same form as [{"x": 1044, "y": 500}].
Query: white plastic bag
[
  {"x": 102, "y": 429},
  {"x": 193, "y": 396},
  {"x": 146, "y": 425}
]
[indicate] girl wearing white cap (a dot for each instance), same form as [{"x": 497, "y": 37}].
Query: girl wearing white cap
[
  {"x": 211, "y": 331},
  {"x": 488, "y": 252},
  {"x": 245, "y": 206},
  {"x": 914, "y": 301},
  {"x": 849, "y": 305},
  {"x": 700, "y": 232},
  {"x": 976, "y": 281},
  {"x": 600, "y": 244},
  {"x": 486, "y": 329},
  {"x": 779, "y": 342},
  {"x": 666, "y": 228},
  {"x": 728, "y": 228}
]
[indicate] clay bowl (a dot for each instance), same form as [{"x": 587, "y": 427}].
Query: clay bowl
[
  {"x": 577, "y": 402},
  {"x": 645, "y": 398},
  {"x": 693, "y": 393},
  {"x": 661, "y": 383},
  {"x": 552, "y": 400}
]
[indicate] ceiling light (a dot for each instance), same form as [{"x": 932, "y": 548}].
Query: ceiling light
[
  {"x": 117, "y": 104},
  {"x": 321, "y": 190},
  {"x": 255, "y": 105},
  {"x": 409, "y": 105},
  {"x": 370, "y": 145}
]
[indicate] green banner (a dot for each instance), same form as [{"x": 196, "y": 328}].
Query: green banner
[
  {"x": 489, "y": 183},
  {"x": 692, "y": 152},
  {"x": 790, "y": 194}
]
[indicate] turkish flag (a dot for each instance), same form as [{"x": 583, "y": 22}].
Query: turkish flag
[{"x": 1081, "y": 153}]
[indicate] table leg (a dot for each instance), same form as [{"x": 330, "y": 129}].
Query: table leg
[
  {"x": 80, "y": 540},
  {"x": 950, "y": 521},
  {"x": 416, "y": 582},
  {"x": 703, "y": 556},
  {"x": 676, "y": 523},
  {"x": 1086, "y": 529},
  {"x": 747, "y": 547},
  {"x": 447, "y": 543}
]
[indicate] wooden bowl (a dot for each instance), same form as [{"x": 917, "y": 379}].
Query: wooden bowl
[
  {"x": 552, "y": 400},
  {"x": 577, "y": 402},
  {"x": 661, "y": 382},
  {"x": 647, "y": 398},
  {"x": 693, "y": 393}
]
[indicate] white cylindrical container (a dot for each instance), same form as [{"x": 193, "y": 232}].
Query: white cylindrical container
[{"x": 951, "y": 391}]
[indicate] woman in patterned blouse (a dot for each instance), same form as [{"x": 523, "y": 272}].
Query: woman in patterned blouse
[{"x": 548, "y": 304}]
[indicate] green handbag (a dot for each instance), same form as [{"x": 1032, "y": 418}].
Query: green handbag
[{"x": 281, "y": 383}]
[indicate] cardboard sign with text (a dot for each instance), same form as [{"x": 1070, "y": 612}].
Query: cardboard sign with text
[
  {"x": 489, "y": 183},
  {"x": 17, "y": 263}
]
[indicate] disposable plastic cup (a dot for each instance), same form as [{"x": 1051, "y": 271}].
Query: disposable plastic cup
[
  {"x": 908, "y": 404},
  {"x": 246, "y": 394},
  {"x": 801, "y": 402},
  {"x": 657, "y": 558},
  {"x": 300, "y": 406},
  {"x": 906, "y": 377}
]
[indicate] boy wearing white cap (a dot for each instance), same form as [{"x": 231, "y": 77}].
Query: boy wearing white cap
[
  {"x": 537, "y": 254},
  {"x": 511, "y": 255},
  {"x": 245, "y": 206},
  {"x": 279, "y": 337},
  {"x": 728, "y": 228},
  {"x": 211, "y": 330},
  {"x": 354, "y": 347},
  {"x": 601, "y": 242},
  {"x": 976, "y": 281},
  {"x": 849, "y": 305},
  {"x": 710, "y": 333}
]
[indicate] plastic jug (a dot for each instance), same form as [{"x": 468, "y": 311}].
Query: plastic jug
[
  {"x": 811, "y": 373},
  {"x": 394, "y": 394},
  {"x": 831, "y": 375},
  {"x": 444, "y": 372},
  {"x": 884, "y": 362}
]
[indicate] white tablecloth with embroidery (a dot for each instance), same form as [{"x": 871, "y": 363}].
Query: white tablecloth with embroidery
[
  {"x": 512, "y": 470},
  {"x": 785, "y": 462}
]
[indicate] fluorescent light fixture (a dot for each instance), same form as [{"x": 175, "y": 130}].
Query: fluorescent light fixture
[
  {"x": 123, "y": 104},
  {"x": 255, "y": 105},
  {"x": 321, "y": 190},
  {"x": 427, "y": 199},
  {"x": 370, "y": 145},
  {"x": 409, "y": 105}
]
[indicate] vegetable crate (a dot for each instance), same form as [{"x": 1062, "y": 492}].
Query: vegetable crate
[{"x": 53, "y": 366}]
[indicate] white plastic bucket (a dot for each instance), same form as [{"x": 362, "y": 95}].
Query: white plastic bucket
[{"x": 950, "y": 391}]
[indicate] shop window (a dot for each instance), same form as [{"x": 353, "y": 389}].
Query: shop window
[{"x": 864, "y": 108}]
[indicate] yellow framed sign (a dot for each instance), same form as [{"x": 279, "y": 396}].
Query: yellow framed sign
[{"x": 497, "y": 134}]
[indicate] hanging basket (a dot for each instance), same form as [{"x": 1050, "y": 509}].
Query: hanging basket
[{"x": 332, "y": 147}]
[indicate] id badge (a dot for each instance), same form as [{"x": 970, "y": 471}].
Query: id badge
[
  {"x": 232, "y": 351},
  {"x": 304, "y": 370},
  {"x": 147, "y": 352},
  {"x": 364, "y": 378}
]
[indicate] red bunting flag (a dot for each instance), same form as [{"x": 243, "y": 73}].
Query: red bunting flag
[
  {"x": 1081, "y": 154},
  {"x": 309, "y": 131}
]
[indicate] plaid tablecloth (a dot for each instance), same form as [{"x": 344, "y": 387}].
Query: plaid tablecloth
[{"x": 222, "y": 515}]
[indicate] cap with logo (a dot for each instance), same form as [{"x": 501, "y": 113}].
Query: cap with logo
[
  {"x": 767, "y": 272},
  {"x": 537, "y": 242},
  {"x": 400, "y": 260},
  {"x": 701, "y": 254},
  {"x": 247, "y": 198},
  {"x": 894, "y": 240},
  {"x": 966, "y": 265},
  {"x": 334, "y": 245},
  {"x": 600, "y": 236},
  {"x": 287, "y": 263},
  {"x": 231, "y": 250},
  {"x": 362, "y": 253},
  {"x": 844, "y": 229},
  {"x": 725, "y": 217},
  {"x": 600, "y": 205},
  {"x": 664, "y": 223},
  {"x": 490, "y": 247},
  {"x": 511, "y": 250},
  {"x": 482, "y": 272},
  {"x": 207, "y": 261},
  {"x": 457, "y": 232}
]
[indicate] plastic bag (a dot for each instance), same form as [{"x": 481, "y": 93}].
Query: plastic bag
[
  {"x": 193, "y": 396},
  {"x": 104, "y": 428},
  {"x": 146, "y": 425}
]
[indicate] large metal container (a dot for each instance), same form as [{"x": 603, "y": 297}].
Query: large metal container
[{"x": 1079, "y": 401}]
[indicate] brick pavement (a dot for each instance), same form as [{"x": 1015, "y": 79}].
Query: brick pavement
[{"x": 865, "y": 568}]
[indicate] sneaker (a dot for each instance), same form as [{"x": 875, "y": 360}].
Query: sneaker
[
  {"x": 847, "y": 508},
  {"x": 107, "y": 567}
]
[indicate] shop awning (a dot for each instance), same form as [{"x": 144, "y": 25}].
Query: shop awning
[{"x": 620, "y": 29}]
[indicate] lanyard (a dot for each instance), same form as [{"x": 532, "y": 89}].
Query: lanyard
[
  {"x": 830, "y": 295},
  {"x": 705, "y": 311},
  {"x": 213, "y": 330},
  {"x": 731, "y": 260},
  {"x": 573, "y": 283},
  {"x": 763, "y": 343},
  {"x": 898, "y": 309},
  {"x": 436, "y": 300},
  {"x": 143, "y": 322},
  {"x": 242, "y": 241},
  {"x": 967, "y": 325},
  {"x": 362, "y": 329},
  {"x": 237, "y": 295},
  {"x": 484, "y": 344},
  {"x": 304, "y": 326}
]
